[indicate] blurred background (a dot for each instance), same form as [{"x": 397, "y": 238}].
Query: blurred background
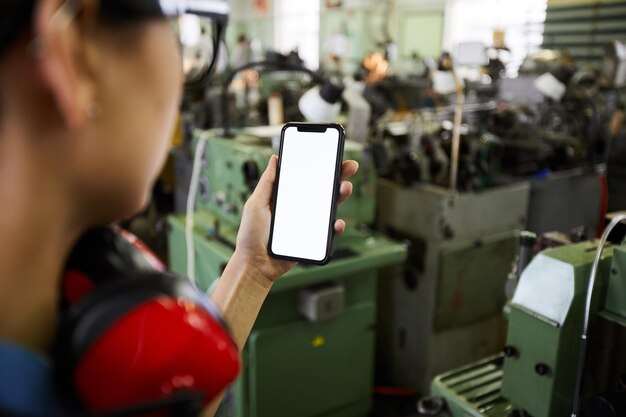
[{"x": 492, "y": 146}]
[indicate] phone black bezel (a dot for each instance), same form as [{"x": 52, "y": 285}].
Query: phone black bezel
[{"x": 311, "y": 127}]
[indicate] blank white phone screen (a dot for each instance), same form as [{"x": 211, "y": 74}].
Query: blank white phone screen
[{"x": 305, "y": 193}]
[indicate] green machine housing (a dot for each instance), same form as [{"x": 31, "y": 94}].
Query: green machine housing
[
  {"x": 233, "y": 167},
  {"x": 311, "y": 351},
  {"x": 536, "y": 374}
]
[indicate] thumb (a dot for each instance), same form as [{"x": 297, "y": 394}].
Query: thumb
[{"x": 264, "y": 189}]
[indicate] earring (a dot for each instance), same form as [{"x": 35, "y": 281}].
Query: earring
[{"x": 93, "y": 110}]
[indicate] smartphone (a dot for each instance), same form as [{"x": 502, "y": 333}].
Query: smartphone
[{"x": 306, "y": 192}]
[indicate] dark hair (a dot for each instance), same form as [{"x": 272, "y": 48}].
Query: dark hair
[{"x": 15, "y": 16}]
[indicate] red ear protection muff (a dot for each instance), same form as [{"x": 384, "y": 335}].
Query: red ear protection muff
[{"x": 130, "y": 335}]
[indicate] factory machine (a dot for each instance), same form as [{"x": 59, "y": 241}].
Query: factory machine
[
  {"x": 536, "y": 375},
  {"x": 446, "y": 309},
  {"x": 311, "y": 351},
  {"x": 447, "y": 306}
]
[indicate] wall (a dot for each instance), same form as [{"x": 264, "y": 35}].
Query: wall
[
  {"x": 413, "y": 24},
  {"x": 245, "y": 19}
]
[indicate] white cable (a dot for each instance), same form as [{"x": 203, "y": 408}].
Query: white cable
[
  {"x": 191, "y": 207},
  {"x": 213, "y": 286},
  {"x": 583, "y": 337}
]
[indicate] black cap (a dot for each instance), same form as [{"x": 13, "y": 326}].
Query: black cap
[{"x": 330, "y": 92}]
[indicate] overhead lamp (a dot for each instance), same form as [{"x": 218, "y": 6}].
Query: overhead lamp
[
  {"x": 550, "y": 86},
  {"x": 321, "y": 103}
]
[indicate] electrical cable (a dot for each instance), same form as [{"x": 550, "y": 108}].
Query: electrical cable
[
  {"x": 268, "y": 65},
  {"x": 604, "y": 199},
  {"x": 190, "y": 209},
  {"x": 202, "y": 80},
  {"x": 199, "y": 82},
  {"x": 583, "y": 338}
]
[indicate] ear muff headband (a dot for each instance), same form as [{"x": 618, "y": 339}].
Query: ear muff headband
[{"x": 140, "y": 340}]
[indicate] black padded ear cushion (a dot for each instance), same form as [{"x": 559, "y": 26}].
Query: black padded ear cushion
[
  {"x": 82, "y": 324},
  {"x": 100, "y": 254}
]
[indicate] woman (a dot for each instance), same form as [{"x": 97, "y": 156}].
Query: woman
[{"x": 88, "y": 100}]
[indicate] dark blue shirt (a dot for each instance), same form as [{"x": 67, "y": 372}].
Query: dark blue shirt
[{"x": 26, "y": 385}]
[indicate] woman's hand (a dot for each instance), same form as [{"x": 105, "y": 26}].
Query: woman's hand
[{"x": 257, "y": 215}]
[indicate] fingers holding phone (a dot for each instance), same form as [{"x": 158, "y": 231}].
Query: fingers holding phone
[
  {"x": 252, "y": 240},
  {"x": 308, "y": 188}
]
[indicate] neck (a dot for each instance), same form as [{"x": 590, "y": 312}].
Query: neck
[{"x": 37, "y": 234}]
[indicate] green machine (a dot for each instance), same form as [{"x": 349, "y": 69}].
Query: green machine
[
  {"x": 537, "y": 373},
  {"x": 311, "y": 351}
]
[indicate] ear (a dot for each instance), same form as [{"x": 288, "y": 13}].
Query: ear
[{"x": 58, "y": 60}]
